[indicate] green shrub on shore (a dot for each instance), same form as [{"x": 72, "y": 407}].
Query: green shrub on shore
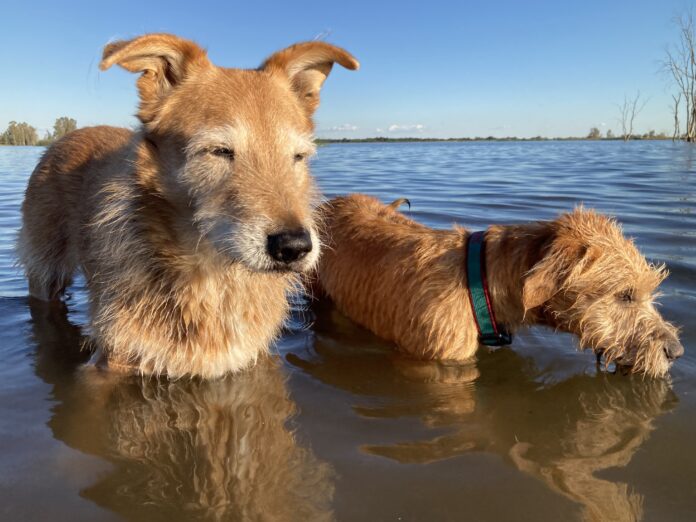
[{"x": 24, "y": 134}]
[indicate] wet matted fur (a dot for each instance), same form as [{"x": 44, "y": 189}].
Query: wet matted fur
[
  {"x": 578, "y": 273},
  {"x": 171, "y": 224}
]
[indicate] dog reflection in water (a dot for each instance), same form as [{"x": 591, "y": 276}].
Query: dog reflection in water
[
  {"x": 563, "y": 433},
  {"x": 185, "y": 449}
]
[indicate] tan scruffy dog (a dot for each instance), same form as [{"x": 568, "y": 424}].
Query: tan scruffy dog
[
  {"x": 578, "y": 273},
  {"x": 191, "y": 230}
]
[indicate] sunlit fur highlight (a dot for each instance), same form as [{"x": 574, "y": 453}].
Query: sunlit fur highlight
[
  {"x": 407, "y": 282},
  {"x": 170, "y": 223},
  {"x": 631, "y": 334}
]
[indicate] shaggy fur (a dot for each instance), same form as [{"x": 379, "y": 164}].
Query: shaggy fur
[
  {"x": 170, "y": 223},
  {"x": 578, "y": 273}
]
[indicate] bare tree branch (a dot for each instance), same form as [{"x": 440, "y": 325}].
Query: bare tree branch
[
  {"x": 628, "y": 111},
  {"x": 675, "y": 111},
  {"x": 680, "y": 64}
]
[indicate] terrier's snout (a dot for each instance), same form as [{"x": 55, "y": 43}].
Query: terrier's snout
[
  {"x": 289, "y": 245},
  {"x": 674, "y": 350}
]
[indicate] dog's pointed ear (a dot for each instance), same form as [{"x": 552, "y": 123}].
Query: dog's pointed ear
[
  {"x": 164, "y": 60},
  {"x": 307, "y": 65},
  {"x": 549, "y": 275}
]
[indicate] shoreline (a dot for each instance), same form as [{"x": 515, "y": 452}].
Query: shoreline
[
  {"x": 325, "y": 141},
  {"x": 478, "y": 139}
]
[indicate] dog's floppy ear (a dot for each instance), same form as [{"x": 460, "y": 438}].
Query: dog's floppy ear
[
  {"x": 547, "y": 276},
  {"x": 164, "y": 60},
  {"x": 307, "y": 65}
]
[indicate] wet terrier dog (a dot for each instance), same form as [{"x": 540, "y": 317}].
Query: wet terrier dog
[
  {"x": 408, "y": 283},
  {"x": 190, "y": 230}
]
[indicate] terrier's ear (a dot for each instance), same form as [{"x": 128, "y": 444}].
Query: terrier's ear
[
  {"x": 539, "y": 285},
  {"x": 164, "y": 60},
  {"x": 548, "y": 276},
  {"x": 307, "y": 65}
]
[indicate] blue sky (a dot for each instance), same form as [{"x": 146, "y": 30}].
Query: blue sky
[{"x": 429, "y": 68}]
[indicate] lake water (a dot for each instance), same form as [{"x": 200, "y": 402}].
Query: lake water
[{"x": 337, "y": 425}]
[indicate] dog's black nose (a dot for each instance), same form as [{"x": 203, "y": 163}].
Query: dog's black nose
[
  {"x": 289, "y": 245},
  {"x": 674, "y": 350}
]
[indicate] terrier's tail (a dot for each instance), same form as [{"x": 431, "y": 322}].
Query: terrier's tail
[{"x": 394, "y": 205}]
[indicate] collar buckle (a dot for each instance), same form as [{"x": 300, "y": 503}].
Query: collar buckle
[{"x": 495, "y": 339}]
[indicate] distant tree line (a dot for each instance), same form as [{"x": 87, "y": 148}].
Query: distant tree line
[
  {"x": 24, "y": 134},
  {"x": 19, "y": 134},
  {"x": 596, "y": 134}
]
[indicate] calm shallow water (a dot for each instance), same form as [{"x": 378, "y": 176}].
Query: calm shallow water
[{"x": 338, "y": 426}]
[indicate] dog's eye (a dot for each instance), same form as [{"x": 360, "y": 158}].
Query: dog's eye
[
  {"x": 222, "y": 152},
  {"x": 626, "y": 296},
  {"x": 299, "y": 157}
]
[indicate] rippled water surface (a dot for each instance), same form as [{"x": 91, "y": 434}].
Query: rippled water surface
[{"x": 337, "y": 425}]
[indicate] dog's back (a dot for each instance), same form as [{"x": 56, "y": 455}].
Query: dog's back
[
  {"x": 57, "y": 201},
  {"x": 398, "y": 278}
]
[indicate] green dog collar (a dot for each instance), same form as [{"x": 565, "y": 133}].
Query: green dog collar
[{"x": 490, "y": 332}]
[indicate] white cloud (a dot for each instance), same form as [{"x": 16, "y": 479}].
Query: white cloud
[
  {"x": 379, "y": 130},
  {"x": 346, "y": 127},
  {"x": 418, "y": 127}
]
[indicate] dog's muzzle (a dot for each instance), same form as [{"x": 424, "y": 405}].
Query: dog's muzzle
[{"x": 673, "y": 350}]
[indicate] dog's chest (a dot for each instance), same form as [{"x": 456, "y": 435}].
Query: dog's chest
[{"x": 234, "y": 307}]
